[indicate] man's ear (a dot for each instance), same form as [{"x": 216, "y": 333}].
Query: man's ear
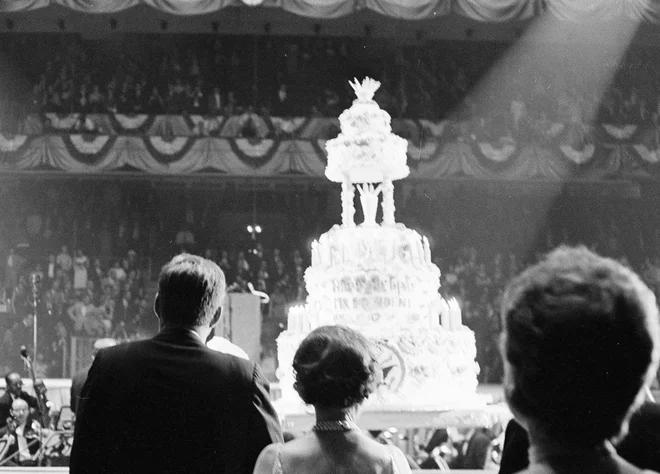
[
  {"x": 216, "y": 317},
  {"x": 157, "y": 306}
]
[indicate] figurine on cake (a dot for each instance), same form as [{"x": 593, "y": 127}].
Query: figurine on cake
[{"x": 378, "y": 278}]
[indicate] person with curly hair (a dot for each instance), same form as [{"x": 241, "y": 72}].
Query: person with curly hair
[
  {"x": 336, "y": 371},
  {"x": 580, "y": 346}
]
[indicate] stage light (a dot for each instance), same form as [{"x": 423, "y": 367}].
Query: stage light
[
  {"x": 557, "y": 44},
  {"x": 257, "y": 229},
  {"x": 250, "y": 229}
]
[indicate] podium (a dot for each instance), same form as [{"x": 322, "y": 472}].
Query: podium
[{"x": 241, "y": 323}]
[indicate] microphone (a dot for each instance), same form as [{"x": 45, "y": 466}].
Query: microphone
[{"x": 24, "y": 352}]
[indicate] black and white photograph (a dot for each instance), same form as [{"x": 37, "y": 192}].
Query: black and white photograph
[{"x": 329, "y": 236}]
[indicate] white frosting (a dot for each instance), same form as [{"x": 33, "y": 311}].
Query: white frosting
[
  {"x": 366, "y": 277},
  {"x": 366, "y": 150},
  {"x": 379, "y": 278},
  {"x": 380, "y": 281},
  {"x": 439, "y": 368}
]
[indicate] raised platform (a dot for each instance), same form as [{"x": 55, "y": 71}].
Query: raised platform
[{"x": 409, "y": 419}]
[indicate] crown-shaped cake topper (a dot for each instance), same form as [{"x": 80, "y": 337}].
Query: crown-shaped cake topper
[{"x": 365, "y": 91}]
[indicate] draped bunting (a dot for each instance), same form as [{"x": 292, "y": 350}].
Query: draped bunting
[
  {"x": 195, "y": 125},
  {"x": 296, "y": 147},
  {"x": 481, "y": 10}
]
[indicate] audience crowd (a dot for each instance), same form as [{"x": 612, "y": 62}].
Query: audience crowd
[
  {"x": 72, "y": 295},
  {"x": 219, "y": 75}
]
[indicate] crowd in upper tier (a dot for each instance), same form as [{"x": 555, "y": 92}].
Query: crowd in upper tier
[{"x": 309, "y": 77}]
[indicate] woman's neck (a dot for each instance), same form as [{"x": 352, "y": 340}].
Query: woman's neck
[{"x": 335, "y": 414}]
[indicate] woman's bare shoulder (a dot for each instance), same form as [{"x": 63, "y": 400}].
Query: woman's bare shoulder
[
  {"x": 301, "y": 446},
  {"x": 399, "y": 459},
  {"x": 266, "y": 459}
]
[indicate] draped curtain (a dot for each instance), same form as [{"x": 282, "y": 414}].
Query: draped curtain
[{"x": 480, "y": 10}]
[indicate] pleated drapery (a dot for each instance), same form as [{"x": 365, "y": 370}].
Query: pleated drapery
[{"x": 480, "y": 10}]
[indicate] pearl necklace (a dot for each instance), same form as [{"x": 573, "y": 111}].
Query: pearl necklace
[{"x": 335, "y": 425}]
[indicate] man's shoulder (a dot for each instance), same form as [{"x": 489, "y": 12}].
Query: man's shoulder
[
  {"x": 123, "y": 349},
  {"x": 220, "y": 344},
  {"x": 232, "y": 363},
  {"x": 81, "y": 375},
  {"x": 5, "y": 399},
  {"x": 137, "y": 352}
]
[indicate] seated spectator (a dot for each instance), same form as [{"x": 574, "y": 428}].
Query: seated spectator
[
  {"x": 80, "y": 315},
  {"x": 336, "y": 371},
  {"x": 14, "y": 391},
  {"x": 96, "y": 100},
  {"x": 215, "y": 103},
  {"x": 580, "y": 344},
  {"x": 23, "y": 436},
  {"x": 155, "y": 102},
  {"x": 280, "y": 101},
  {"x": 64, "y": 261}
]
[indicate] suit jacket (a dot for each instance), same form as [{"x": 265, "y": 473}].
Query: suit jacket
[
  {"x": 170, "y": 404},
  {"x": 641, "y": 447},
  {"x": 476, "y": 454},
  {"x": 5, "y": 407},
  {"x": 77, "y": 383}
]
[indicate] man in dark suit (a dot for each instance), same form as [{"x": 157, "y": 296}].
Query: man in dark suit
[
  {"x": 14, "y": 390},
  {"x": 475, "y": 450},
  {"x": 170, "y": 404}
]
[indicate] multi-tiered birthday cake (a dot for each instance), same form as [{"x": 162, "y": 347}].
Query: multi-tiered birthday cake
[{"x": 378, "y": 278}]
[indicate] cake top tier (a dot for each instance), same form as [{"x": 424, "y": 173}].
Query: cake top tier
[
  {"x": 365, "y": 91},
  {"x": 366, "y": 150}
]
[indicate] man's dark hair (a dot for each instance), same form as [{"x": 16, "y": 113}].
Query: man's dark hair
[
  {"x": 191, "y": 290},
  {"x": 581, "y": 338},
  {"x": 336, "y": 367}
]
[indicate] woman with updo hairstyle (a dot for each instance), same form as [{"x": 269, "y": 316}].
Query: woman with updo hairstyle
[{"x": 336, "y": 371}]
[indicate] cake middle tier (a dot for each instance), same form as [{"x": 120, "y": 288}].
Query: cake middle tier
[{"x": 361, "y": 276}]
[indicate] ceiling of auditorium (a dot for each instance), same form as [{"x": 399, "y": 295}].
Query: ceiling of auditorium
[
  {"x": 243, "y": 20},
  {"x": 255, "y": 21}
]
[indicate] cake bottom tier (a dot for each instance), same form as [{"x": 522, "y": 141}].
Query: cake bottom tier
[{"x": 425, "y": 368}]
